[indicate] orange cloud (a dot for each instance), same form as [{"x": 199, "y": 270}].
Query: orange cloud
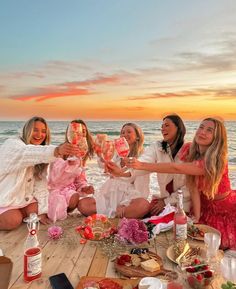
[
  {"x": 45, "y": 94},
  {"x": 75, "y": 88},
  {"x": 214, "y": 94}
]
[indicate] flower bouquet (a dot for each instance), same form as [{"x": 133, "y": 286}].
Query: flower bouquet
[
  {"x": 132, "y": 231},
  {"x": 95, "y": 227}
]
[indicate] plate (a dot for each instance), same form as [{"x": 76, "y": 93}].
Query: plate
[
  {"x": 131, "y": 282},
  {"x": 205, "y": 229},
  {"x": 133, "y": 271},
  {"x": 96, "y": 227},
  {"x": 171, "y": 255}
]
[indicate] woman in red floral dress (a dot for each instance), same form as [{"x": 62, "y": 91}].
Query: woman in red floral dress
[{"x": 206, "y": 167}]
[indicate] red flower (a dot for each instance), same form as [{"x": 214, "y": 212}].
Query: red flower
[{"x": 88, "y": 234}]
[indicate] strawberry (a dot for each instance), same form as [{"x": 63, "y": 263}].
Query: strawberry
[
  {"x": 191, "y": 269},
  {"x": 208, "y": 274},
  {"x": 197, "y": 261},
  {"x": 199, "y": 277},
  {"x": 205, "y": 267}
]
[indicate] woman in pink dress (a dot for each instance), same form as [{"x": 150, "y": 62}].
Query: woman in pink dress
[
  {"x": 67, "y": 181},
  {"x": 214, "y": 203}
]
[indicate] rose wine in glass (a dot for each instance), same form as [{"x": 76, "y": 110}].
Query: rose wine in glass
[
  {"x": 74, "y": 134},
  {"x": 100, "y": 138},
  {"x": 83, "y": 146},
  {"x": 108, "y": 150},
  {"x": 180, "y": 220},
  {"x": 122, "y": 147}
]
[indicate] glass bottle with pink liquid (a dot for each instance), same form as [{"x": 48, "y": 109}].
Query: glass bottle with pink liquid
[{"x": 180, "y": 220}]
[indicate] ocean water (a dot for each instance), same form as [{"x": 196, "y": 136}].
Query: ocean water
[{"x": 152, "y": 132}]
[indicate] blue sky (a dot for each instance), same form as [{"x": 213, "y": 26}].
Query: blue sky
[{"x": 140, "y": 55}]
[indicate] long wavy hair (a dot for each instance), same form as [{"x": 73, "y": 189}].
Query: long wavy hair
[
  {"x": 179, "y": 139},
  {"x": 89, "y": 139},
  {"x": 215, "y": 159},
  {"x": 26, "y": 136},
  {"x": 137, "y": 148}
]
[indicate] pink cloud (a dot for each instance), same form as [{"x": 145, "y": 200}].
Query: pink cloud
[
  {"x": 45, "y": 94},
  {"x": 75, "y": 88}
]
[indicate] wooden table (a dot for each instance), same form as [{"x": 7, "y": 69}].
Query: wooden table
[{"x": 69, "y": 256}]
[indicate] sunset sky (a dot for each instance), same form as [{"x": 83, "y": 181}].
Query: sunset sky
[{"x": 123, "y": 59}]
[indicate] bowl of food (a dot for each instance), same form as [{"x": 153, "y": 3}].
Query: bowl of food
[{"x": 96, "y": 227}]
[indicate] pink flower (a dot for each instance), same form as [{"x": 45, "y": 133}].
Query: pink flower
[
  {"x": 132, "y": 231},
  {"x": 55, "y": 232}
]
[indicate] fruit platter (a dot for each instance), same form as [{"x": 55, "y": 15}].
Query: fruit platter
[{"x": 198, "y": 274}]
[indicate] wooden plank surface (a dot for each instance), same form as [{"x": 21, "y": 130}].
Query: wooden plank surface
[{"x": 74, "y": 259}]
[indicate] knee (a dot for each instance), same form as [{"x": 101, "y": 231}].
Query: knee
[
  {"x": 74, "y": 200},
  {"x": 12, "y": 223},
  {"x": 87, "y": 206},
  {"x": 144, "y": 207},
  {"x": 144, "y": 204}
]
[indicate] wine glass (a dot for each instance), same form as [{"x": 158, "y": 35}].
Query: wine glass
[
  {"x": 83, "y": 146},
  {"x": 100, "y": 138},
  {"x": 108, "y": 150},
  {"x": 228, "y": 268},
  {"x": 122, "y": 147},
  {"x": 212, "y": 242},
  {"x": 73, "y": 134}
]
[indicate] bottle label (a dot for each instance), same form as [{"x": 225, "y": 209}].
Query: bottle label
[
  {"x": 33, "y": 262},
  {"x": 181, "y": 231}
]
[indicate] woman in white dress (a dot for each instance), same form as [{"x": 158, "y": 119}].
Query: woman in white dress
[{"x": 122, "y": 197}]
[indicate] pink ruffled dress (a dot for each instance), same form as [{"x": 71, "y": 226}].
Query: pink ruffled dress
[
  {"x": 64, "y": 180},
  {"x": 219, "y": 213}
]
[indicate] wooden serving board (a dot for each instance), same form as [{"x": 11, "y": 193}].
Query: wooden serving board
[
  {"x": 122, "y": 282},
  {"x": 133, "y": 271}
]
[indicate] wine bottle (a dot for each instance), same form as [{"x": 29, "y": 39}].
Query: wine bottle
[
  {"x": 32, "y": 251},
  {"x": 180, "y": 220}
]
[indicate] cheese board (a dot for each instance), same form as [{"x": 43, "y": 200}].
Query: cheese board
[{"x": 147, "y": 267}]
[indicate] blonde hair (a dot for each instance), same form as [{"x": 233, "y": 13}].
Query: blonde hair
[
  {"x": 137, "y": 149},
  {"x": 89, "y": 140},
  {"x": 27, "y": 133},
  {"x": 215, "y": 159}
]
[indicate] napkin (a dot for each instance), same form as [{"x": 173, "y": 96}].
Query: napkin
[{"x": 164, "y": 221}]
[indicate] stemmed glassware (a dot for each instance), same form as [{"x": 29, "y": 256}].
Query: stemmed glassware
[
  {"x": 74, "y": 136},
  {"x": 100, "y": 138},
  {"x": 122, "y": 147},
  {"x": 212, "y": 242},
  {"x": 228, "y": 268},
  {"x": 83, "y": 147},
  {"x": 108, "y": 150}
]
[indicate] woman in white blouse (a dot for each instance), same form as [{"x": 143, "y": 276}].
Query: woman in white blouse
[
  {"x": 23, "y": 183},
  {"x": 173, "y": 132}
]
